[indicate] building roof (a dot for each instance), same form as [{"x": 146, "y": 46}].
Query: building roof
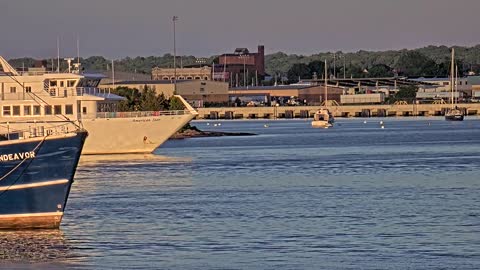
[
  {"x": 160, "y": 82},
  {"x": 278, "y": 87},
  {"x": 373, "y": 82}
]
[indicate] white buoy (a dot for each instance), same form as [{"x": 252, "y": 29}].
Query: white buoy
[
  {"x": 214, "y": 125},
  {"x": 265, "y": 125},
  {"x": 365, "y": 121},
  {"x": 208, "y": 124},
  {"x": 383, "y": 127},
  {"x": 219, "y": 124},
  {"x": 381, "y": 122}
]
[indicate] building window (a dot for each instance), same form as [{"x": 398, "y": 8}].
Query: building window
[
  {"x": 57, "y": 109},
  {"x": 13, "y": 89},
  {"x": 6, "y": 111},
  {"x": 202, "y": 89},
  {"x": 48, "y": 110},
  {"x": 27, "y": 110},
  {"x": 84, "y": 110},
  {"x": 36, "y": 110},
  {"x": 68, "y": 109},
  {"x": 28, "y": 89},
  {"x": 16, "y": 110}
]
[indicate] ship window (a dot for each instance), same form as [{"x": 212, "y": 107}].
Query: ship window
[
  {"x": 71, "y": 83},
  {"x": 202, "y": 89},
  {"x": 13, "y": 89},
  {"x": 57, "y": 109},
  {"x": 16, "y": 110},
  {"x": 6, "y": 111},
  {"x": 48, "y": 110},
  {"x": 27, "y": 110},
  {"x": 84, "y": 110},
  {"x": 36, "y": 110},
  {"x": 68, "y": 109},
  {"x": 53, "y": 83},
  {"x": 28, "y": 89},
  {"x": 62, "y": 83}
]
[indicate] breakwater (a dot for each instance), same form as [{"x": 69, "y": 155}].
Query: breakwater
[{"x": 291, "y": 112}]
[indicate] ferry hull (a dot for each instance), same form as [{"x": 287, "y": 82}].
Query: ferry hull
[
  {"x": 456, "y": 117},
  {"x": 321, "y": 124},
  {"x": 34, "y": 190},
  {"x": 131, "y": 135}
]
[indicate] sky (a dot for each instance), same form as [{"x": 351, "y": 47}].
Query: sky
[{"x": 121, "y": 28}]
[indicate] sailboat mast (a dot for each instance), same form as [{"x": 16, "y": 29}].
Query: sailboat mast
[
  {"x": 456, "y": 84},
  {"x": 452, "y": 74},
  {"x": 326, "y": 81}
]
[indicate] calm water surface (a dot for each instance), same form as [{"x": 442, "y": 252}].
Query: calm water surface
[{"x": 352, "y": 197}]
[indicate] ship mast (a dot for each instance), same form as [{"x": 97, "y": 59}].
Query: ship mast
[
  {"x": 452, "y": 74},
  {"x": 326, "y": 81}
]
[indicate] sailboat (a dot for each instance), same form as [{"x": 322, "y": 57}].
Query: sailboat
[
  {"x": 323, "y": 118},
  {"x": 454, "y": 113}
]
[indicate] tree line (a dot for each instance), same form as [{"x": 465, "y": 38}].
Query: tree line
[
  {"x": 431, "y": 61},
  {"x": 146, "y": 99}
]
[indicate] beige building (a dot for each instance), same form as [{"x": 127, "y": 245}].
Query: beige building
[
  {"x": 310, "y": 94},
  {"x": 200, "y": 73},
  {"x": 196, "y": 92}
]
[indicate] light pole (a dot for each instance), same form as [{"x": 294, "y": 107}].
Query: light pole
[
  {"x": 174, "y": 19},
  {"x": 244, "y": 57},
  {"x": 334, "y": 66}
]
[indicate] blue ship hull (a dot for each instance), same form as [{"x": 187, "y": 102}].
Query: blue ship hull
[{"x": 35, "y": 180}]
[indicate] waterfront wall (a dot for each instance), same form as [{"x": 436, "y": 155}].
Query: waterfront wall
[{"x": 292, "y": 112}]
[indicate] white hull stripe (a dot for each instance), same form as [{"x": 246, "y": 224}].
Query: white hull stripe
[
  {"x": 34, "y": 185},
  {"x": 48, "y": 214}
]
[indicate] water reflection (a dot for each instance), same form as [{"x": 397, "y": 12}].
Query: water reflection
[
  {"x": 36, "y": 246},
  {"x": 129, "y": 159}
]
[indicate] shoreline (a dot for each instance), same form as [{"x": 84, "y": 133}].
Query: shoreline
[{"x": 194, "y": 132}]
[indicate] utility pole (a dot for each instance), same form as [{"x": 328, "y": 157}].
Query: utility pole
[{"x": 174, "y": 19}]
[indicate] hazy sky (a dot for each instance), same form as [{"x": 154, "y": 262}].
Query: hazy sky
[{"x": 120, "y": 28}]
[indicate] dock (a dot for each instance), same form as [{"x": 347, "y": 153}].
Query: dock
[{"x": 293, "y": 112}]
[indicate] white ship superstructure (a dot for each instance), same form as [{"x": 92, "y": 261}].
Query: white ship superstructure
[{"x": 38, "y": 96}]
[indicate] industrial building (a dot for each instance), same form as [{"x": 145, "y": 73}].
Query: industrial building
[
  {"x": 197, "y": 92},
  {"x": 190, "y": 73},
  {"x": 241, "y": 67}
]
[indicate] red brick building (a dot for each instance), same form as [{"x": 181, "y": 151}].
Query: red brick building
[{"x": 242, "y": 67}]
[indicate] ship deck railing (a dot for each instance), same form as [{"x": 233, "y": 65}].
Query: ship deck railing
[
  {"x": 140, "y": 114},
  {"x": 31, "y": 129},
  {"x": 76, "y": 91}
]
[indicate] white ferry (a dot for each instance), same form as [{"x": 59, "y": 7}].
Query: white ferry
[{"x": 36, "y": 95}]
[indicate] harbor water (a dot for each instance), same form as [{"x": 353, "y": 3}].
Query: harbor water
[{"x": 356, "y": 196}]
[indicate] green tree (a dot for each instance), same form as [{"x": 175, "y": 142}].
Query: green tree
[
  {"x": 297, "y": 71},
  {"x": 407, "y": 93},
  {"x": 149, "y": 100},
  {"x": 380, "y": 70},
  {"x": 416, "y": 64},
  {"x": 176, "y": 104},
  {"x": 132, "y": 101}
]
